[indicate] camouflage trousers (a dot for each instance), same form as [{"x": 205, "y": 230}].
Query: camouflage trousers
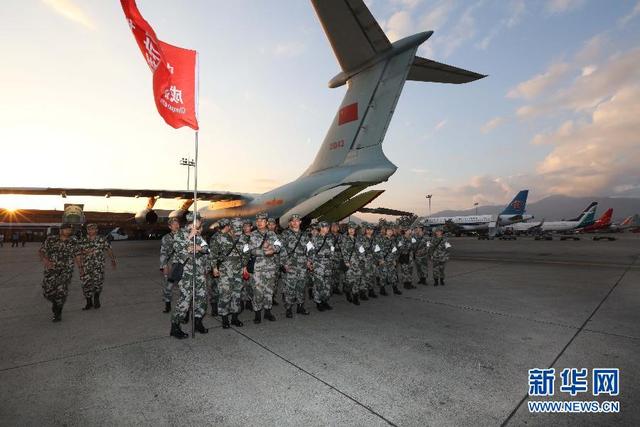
[
  {"x": 294, "y": 283},
  {"x": 422, "y": 268},
  {"x": 388, "y": 275},
  {"x": 321, "y": 287},
  {"x": 167, "y": 289},
  {"x": 336, "y": 276},
  {"x": 353, "y": 280},
  {"x": 405, "y": 272},
  {"x": 438, "y": 269},
  {"x": 214, "y": 289},
  {"x": 55, "y": 285},
  {"x": 277, "y": 283},
  {"x": 186, "y": 297},
  {"x": 369, "y": 276},
  {"x": 262, "y": 284},
  {"x": 92, "y": 281},
  {"x": 229, "y": 291}
]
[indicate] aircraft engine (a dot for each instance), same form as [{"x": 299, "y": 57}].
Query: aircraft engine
[{"x": 147, "y": 217}]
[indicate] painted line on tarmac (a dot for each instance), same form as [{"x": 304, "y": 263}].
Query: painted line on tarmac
[
  {"x": 580, "y": 329},
  {"x": 535, "y": 261},
  {"x": 300, "y": 368}
]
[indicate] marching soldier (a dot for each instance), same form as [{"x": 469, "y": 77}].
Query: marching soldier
[
  {"x": 321, "y": 254},
  {"x": 229, "y": 257},
  {"x": 439, "y": 254},
  {"x": 264, "y": 246},
  {"x": 296, "y": 264},
  {"x": 421, "y": 255},
  {"x": 370, "y": 263},
  {"x": 93, "y": 248},
  {"x": 352, "y": 250},
  {"x": 387, "y": 259},
  {"x": 194, "y": 271},
  {"x": 405, "y": 242},
  {"x": 58, "y": 254},
  {"x": 167, "y": 259}
]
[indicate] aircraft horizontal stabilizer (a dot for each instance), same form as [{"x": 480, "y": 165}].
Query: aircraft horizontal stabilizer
[
  {"x": 350, "y": 206},
  {"x": 385, "y": 211},
  {"x": 426, "y": 70}
]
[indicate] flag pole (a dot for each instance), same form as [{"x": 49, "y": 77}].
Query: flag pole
[{"x": 195, "y": 208}]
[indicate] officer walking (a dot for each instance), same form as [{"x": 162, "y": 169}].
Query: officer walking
[
  {"x": 296, "y": 265},
  {"x": 167, "y": 258},
  {"x": 194, "y": 271},
  {"x": 58, "y": 254},
  {"x": 93, "y": 248}
]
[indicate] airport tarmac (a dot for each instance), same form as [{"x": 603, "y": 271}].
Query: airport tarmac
[{"x": 453, "y": 355}]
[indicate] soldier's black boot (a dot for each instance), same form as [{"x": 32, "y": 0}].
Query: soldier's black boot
[
  {"x": 199, "y": 327},
  {"x": 406, "y": 285},
  {"x": 235, "y": 321},
  {"x": 258, "y": 317},
  {"x": 225, "y": 322},
  {"x": 267, "y": 315},
  {"x": 167, "y": 307},
  {"x": 363, "y": 296},
  {"x": 337, "y": 291},
  {"x": 423, "y": 281},
  {"x": 372, "y": 293},
  {"x": 435, "y": 282},
  {"x": 327, "y": 306},
  {"x": 320, "y": 306},
  {"x": 441, "y": 281},
  {"x": 349, "y": 297},
  {"x": 274, "y": 302},
  {"x": 302, "y": 310},
  {"x": 186, "y": 318},
  {"x": 214, "y": 309},
  {"x": 57, "y": 312},
  {"x": 96, "y": 300},
  {"x": 289, "y": 314},
  {"x": 355, "y": 300},
  {"x": 247, "y": 305},
  {"x": 310, "y": 293},
  {"x": 383, "y": 291},
  {"x": 396, "y": 290},
  {"x": 177, "y": 332},
  {"x": 89, "y": 304}
]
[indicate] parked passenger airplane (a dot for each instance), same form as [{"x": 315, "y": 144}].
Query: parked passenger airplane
[
  {"x": 584, "y": 219},
  {"x": 351, "y": 157}
]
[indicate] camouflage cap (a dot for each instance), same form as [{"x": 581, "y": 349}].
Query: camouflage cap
[
  {"x": 91, "y": 225},
  {"x": 271, "y": 220},
  {"x": 65, "y": 225},
  {"x": 323, "y": 224},
  {"x": 236, "y": 223},
  {"x": 224, "y": 222},
  {"x": 262, "y": 215},
  {"x": 294, "y": 216},
  {"x": 190, "y": 217},
  {"x": 352, "y": 224}
]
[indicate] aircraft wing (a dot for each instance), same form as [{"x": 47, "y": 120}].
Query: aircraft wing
[
  {"x": 122, "y": 192},
  {"x": 353, "y": 32},
  {"x": 426, "y": 70},
  {"x": 385, "y": 211}
]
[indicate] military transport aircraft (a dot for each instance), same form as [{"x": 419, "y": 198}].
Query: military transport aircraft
[{"x": 351, "y": 157}]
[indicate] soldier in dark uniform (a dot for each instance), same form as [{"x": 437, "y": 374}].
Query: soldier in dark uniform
[{"x": 58, "y": 254}]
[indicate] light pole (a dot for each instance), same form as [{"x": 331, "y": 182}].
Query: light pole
[
  {"x": 476, "y": 205},
  {"x": 429, "y": 196},
  {"x": 188, "y": 163}
]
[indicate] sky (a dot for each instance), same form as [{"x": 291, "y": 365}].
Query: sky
[{"x": 558, "y": 113}]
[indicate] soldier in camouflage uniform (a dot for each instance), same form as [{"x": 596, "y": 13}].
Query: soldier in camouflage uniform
[
  {"x": 421, "y": 254},
  {"x": 228, "y": 259},
  {"x": 272, "y": 225},
  {"x": 295, "y": 261},
  {"x": 387, "y": 259},
  {"x": 194, "y": 272},
  {"x": 93, "y": 248},
  {"x": 369, "y": 263},
  {"x": 245, "y": 238},
  {"x": 405, "y": 243},
  {"x": 352, "y": 250},
  {"x": 58, "y": 254},
  {"x": 337, "y": 274},
  {"x": 213, "y": 281},
  {"x": 321, "y": 255},
  {"x": 166, "y": 261},
  {"x": 439, "y": 254},
  {"x": 264, "y": 245}
]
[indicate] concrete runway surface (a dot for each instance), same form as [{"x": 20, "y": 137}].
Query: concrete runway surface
[{"x": 454, "y": 355}]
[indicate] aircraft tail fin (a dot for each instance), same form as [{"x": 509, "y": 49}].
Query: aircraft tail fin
[
  {"x": 517, "y": 205},
  {"x": 606, "y": 217},
  {"x": 588, "y": 216},
  {"x": 592, "y": 204}
]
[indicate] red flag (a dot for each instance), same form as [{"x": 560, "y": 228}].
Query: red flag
[
  {"x": 348, "y": 114},
  {"x": 174, "y": 71}
]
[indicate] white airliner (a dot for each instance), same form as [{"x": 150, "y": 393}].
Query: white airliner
[
  {"x": 512, "y": 213},
  {"x": 350, "y": 158},
  {"x": 587, "y": 217}
]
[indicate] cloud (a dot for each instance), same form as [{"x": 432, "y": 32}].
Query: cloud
[
  {"x": 437, "y": 16},
  {"x": 562, "y": 6},
  {"x": 516, "y": 10},
  {"x": 399, "y": 25},
  {"x": 539, "y": 83},
  {"x": 289, "y": 49},
  {"x": 463, "y": 31},
  {"x": 492, "y": 124},
  {"x": 441, "y": 124},
  {"x": 635, "y": 12},
  {"x": 71, "y": 11}
]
